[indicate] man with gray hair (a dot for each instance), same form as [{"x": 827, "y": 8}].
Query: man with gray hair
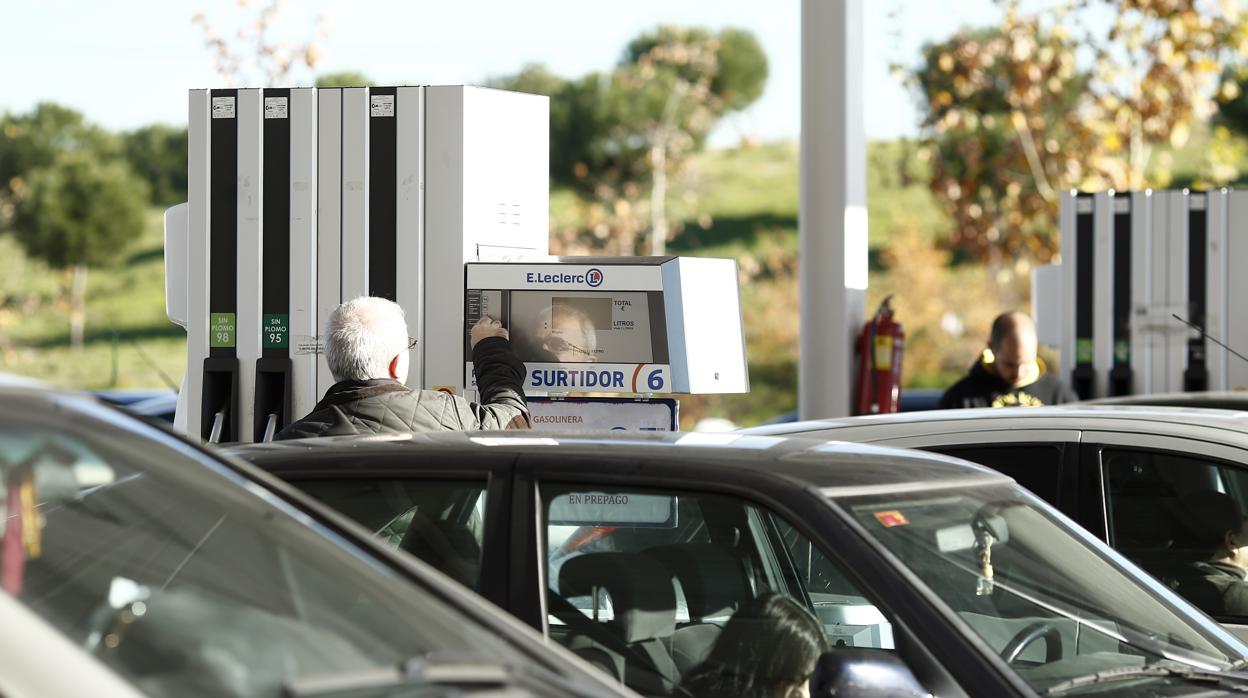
[{"x": 367, "y": 346}]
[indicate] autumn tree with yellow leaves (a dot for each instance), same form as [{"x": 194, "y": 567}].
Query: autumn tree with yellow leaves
[{"x": 1018, "y": 112}]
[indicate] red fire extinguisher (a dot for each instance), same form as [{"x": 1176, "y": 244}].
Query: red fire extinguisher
[{"x": 880, "y": 347}]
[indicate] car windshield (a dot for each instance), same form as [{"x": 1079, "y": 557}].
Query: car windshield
[
  {"x": 186, "y": 578},
  {"x": 1051, "y": 604}
]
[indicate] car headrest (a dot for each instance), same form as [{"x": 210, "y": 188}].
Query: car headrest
[
  {"x": 712, "y": 579},
  {"x": 640, "y": 586},
  {"x": 449, "y": 546}
]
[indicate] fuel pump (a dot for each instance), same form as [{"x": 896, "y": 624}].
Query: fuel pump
[{"x": 880, "y": 347}]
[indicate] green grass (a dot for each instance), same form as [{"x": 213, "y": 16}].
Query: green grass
[
  {"x": 126, "y": 326},
  {"x": 738, "y": 203}
]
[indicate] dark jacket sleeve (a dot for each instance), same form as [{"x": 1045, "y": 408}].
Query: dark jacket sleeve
[
  {"x": 955, "y": 397},
  {"x": 1067, "y": 394},
  {"x": 500, "y": 383}
]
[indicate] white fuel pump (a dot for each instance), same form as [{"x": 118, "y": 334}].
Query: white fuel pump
[{"x": 300, "y": 199}]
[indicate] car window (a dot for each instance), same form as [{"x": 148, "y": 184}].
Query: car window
[
  {"x": 1044, "y": 597},
  {"x": 1159, "y": 506},
  {"x": 642, "y": 583},
  {"x": 440, "y": 522},
  {"x": 1035, "y": 466},
  {"x": 187, "y": 579}
]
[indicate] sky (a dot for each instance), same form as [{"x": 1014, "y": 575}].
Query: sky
[{"x": 129, "y": 63}]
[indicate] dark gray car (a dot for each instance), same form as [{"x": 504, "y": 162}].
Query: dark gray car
[{"x": 927, "y": 573}]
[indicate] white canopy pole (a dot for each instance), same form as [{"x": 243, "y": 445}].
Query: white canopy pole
[{"x": 832, "y": 227}]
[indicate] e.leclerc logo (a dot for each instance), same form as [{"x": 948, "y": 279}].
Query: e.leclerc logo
[{"x": 592, "y": 278}]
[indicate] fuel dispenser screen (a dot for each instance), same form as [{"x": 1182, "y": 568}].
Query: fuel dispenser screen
[{"x": 573, "y": 327}]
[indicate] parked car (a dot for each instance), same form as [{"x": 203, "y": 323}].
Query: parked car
[
  {"x": 1216, "y": 399},
  {"x": 132, "y": 562},
  {"x": 911, "y": 400},
  {"x": 927, "y": 574},
  {"x": 1120, "y": 472}
]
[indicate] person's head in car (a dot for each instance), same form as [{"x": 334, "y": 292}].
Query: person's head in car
[
  {"x": 768, "y": 649},
  {"x": 1215, "y": 526}
]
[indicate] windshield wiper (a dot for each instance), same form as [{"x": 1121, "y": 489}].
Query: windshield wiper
[
  {"x": 467, "y": 673},
  {"x": 1230, "y": 682}
]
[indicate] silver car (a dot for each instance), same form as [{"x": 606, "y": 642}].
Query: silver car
[
  {"x": 134, "y": 563},
  {"x": 1127, "y": 474}
]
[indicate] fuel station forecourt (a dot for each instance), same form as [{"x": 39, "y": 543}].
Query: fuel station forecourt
[{"x": 433, "y": 197}]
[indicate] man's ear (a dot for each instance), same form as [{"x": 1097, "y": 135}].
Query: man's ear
[
  {"x": 394, "y": 368},
  {"x": 1228, "y": 539}
]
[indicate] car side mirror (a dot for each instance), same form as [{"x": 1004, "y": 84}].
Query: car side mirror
[{"x": 862, "y": 671}]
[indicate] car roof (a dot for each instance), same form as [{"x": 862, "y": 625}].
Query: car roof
[
  {"x": 836, "y": 468},
  {"x": 1220, "y": 399},
  {"x": 1230, "y": 425}
]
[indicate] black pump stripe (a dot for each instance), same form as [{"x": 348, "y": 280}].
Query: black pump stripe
[
  {"x": 276, "y": 283},
  {"x": 1195, "y": 376},
  {"x": 1083, "y": 377},
  {"x": 1122, "y": 281},
  {"x": 382, "y": 199},
  {"x": 1121, "y": 377},
  {"x": 223, "y": 225},
  {"x": 1085, "y": 272}
]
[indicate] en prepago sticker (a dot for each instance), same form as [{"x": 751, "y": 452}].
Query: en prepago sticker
[{"x": 222, "y": 330}]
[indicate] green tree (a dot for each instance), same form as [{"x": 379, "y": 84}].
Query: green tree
[
  {"x": 620, "y": 138},
  {"x": 158, "y": 154},
  {"x": 33, "y": 140},
  {"x": 1012, "y": 120},
  {"x": 346, "y": 78},
  {"x": 79, "y": 211}
]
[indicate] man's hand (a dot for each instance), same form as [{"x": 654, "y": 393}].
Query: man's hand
[{"x": 485, "y": 327}]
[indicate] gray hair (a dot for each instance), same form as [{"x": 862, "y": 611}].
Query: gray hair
[{"x": 362, "y": 336}]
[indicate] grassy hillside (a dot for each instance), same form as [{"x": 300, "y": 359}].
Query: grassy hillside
[
  {"x": 129, "y": 341},
  {"x": 739, "y": 203}
]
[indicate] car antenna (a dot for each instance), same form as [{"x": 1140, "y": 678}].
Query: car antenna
[{"x": 1208, "y": 336}]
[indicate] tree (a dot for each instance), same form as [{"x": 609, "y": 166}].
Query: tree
[
  {"x": 346, "y": 78},
  {"x": 158, "y": 155},
  {"x": 1011, "y": 120},
  {"x": 79, "y": 211},
  {"x": 249, "y": 55},
  {"x": 670, "y": 90},
  {"x": 618, "y": 139},
  {"x": 34, "y": 140}
]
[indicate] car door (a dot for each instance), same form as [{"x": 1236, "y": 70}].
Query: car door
[
  {"x": 594, "y": 544},
  {"x": 1148, "y": 482},
  {"x": 447, "y": 509}
]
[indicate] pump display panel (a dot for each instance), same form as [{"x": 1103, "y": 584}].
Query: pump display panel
[
  {"x": 613, "y": 325},
  {"x": 577, "y": 327}
]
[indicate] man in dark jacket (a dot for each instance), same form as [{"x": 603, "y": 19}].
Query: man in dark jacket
[
  {"x": 1008, "y": 373},
  {"x": 366, "y": 347}
]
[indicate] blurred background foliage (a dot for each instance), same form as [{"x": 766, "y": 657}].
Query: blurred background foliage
[{"x": 1014, "y": 111}]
